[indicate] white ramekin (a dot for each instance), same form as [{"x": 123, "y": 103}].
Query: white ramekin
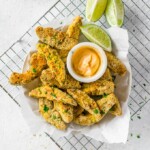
[{"x": 100, "y": 71}]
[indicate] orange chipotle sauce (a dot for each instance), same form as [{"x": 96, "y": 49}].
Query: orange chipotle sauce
[{"x": 86, "y": 61}]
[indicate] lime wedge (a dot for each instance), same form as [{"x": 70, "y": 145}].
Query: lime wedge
[
  {"x": 115, "y": 13},
  {"x": 97, "y": 35},
  {"x": 95, "y": 9}
]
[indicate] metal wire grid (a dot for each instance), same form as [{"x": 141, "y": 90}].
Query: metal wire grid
[{"x": 137, "y": 21}]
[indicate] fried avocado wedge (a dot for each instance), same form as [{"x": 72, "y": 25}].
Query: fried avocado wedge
[
  {"x": 105, "y": 104},
  {"x": 115, "y": 65},
  {"x": 65, "y": 110},
  {"x": 54, "y": 62},
  {"x": 73, "y": 30},
  {"x": 84, "y": 101},
  {"x": 48, "y": 78},
  {"x": 77, "y": 110},
  {"x": 51, "y": 115},
  {"x": 53, "y": 94},
  {"x": 116, "y": 109},
  {"x": 55, "y": 38},
  {"x": 107, "y": 75},
  {"x": 99, "y": 87},
  {"x": 37, "y": 64}
]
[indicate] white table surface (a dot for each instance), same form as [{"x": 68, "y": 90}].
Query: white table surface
[{"x": 14, "y": 132}]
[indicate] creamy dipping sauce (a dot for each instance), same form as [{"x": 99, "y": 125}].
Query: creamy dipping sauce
[{"x": 86, "y": 61}]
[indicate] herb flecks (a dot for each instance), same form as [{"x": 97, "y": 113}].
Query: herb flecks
[
  {"x": 54, "y": 95},
  {"x": 34, "y": 70},
  {"x": 138, "y": 117},
  {"x": 96, "y": 111},
  {"x": 138, "y": 136},
  {"x": 105, "y": 95},
  {"x": 54, "y": 117},
  {"x": 45, "y": 108}
]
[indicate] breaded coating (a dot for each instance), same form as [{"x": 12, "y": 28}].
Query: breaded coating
[
  {"x": 115, "y": 64},
  {"x": 48, "y": 78},
  {"x": 74, "y": 28},
  {"x": 53, "y": 94},
  {"x": 77, "y": 110},
  {"x": 56, "y": 65},
  {"x": 63, "y": 54},
  {"x": 37, "y": 64},
  {"x": 105, "y": 104},
  {"x": 99, "y": 87},
  {"x": 85, "y": 120},
  {"x": 116, "y": 109},
  {"x": 84, "y": 101},
  {"x": 50, "y": 115},
  {"x": 56, "y": 39},
  {"x": 107, "y": 75},
  {"x": 65, "y": 110}
]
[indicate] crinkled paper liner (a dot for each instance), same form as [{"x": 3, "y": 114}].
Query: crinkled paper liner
[{"x": 111, "y": 129}]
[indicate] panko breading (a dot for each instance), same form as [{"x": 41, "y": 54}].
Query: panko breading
[
  {"x": 115, "y": 64},
  {"x": 84, "y": 101},
  {"x": 48, "y": 78},
  {"x": 63, "y": 54},
  {"x": 65, "y": 110},
  {"x": 105, "y": 104},
  {"x": 74, "y": 28},
  {"x": 116, "y": 109},
  {"x": 56, "y": 65},
  {"x": 107, "y": 75},
  {"x": 85, "y": 120},
  {"x": 99, "y": 87},
  {"x": 50, "y": 115},
  {"x": 37, "y": 64},
  {"x": 53, "y": 94},
  {"x": 77, "y": 110},
  {"x": 56, "y": 39}
]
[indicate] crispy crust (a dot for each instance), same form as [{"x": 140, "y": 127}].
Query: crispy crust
[
  {"x": 37, "y": 64},
  {"x": 115, "y": 64},
  {"x": 99, "y": 87}
]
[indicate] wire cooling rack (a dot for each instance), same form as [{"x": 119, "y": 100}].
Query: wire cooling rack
[{"x": 137, "y": 22}]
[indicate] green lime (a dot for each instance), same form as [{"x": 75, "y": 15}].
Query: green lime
[
  {"x": 95, "y": 9},
  {"x": 97, "y": 35},
  {"x": 115, "y": 12}
]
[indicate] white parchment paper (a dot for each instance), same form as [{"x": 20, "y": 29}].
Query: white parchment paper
[{"x": 111, "y": 129}]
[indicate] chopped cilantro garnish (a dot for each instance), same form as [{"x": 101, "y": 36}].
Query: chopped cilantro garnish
[
  {"x": 61, "y": 22},
  {"x": 105, "y": 95},
  {"x": 40, "y": 90},
  {"x": 138, "y": 136},
  {"x": 96, "y": 111},
  {"x": 34, "y": 70},
  {"x": 46, "y": 108},
  {"x": 140, "y": 102},
  {"x": 66, "y": 110},
  {"x": 54, "y": 117},
  {"x": 138, "y": 117},
  {"x": 131, "y": 134},
  {"x": 54, "y": 95}
]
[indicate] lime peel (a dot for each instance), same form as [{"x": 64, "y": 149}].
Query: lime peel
[
  {"x": 95, "y": 9},
  {"x": 97, "y": 35}
]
